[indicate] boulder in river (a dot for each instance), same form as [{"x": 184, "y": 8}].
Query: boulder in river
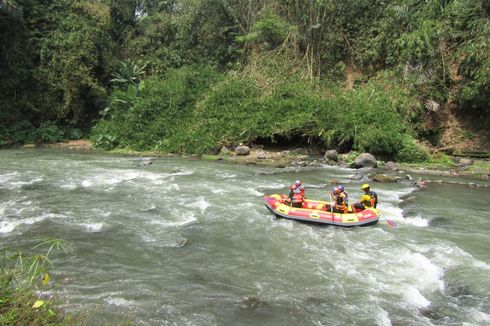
[
  {"x": 224, "y": 151},
  {"x": 383, "y": 178},
  {"x": 465, "y": 161},
  {"x": 365, "y": 160},
  {"x": 242, "y": 150},
  {"x": 391, "y": 166},
  {"x": 331, "y": 155}
]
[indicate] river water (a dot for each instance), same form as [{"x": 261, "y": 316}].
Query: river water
[{"x": 190, "y": 242}]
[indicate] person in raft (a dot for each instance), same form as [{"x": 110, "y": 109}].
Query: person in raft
[
  {"x": 299, "y": 185},
  {"x": 296, "y": 196},
  {"x": 339, "y": 200},
  {"x": 368, "y": 200}
]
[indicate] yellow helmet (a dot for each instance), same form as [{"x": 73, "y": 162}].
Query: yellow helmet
[{"x": 364, "y": 186}]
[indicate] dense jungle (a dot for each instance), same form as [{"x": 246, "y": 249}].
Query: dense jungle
[
  {"x": 397, "y": 78},
  {"x": 146, "y": 241}
]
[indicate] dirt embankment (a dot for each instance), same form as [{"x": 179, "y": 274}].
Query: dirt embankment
[{"x": 81, "y": 144}]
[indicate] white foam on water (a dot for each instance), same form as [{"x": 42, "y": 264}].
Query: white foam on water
[
  {"x": 117, "y": 301},
  {"x": 9, "y": 226},
  {"x": 391, "y": 212},
  {"x": 87, "y": 183},
  {"x": 417, "y": 220},
  {"x": 281, "y": 223},
  {"x": 479, "y": 316},
  {"x": 271, "y": 185},
  {"x": 105, "y": 178},
  {"x": 174, "y": 186},
  {"x": 427, "y": 276},
  {"x": 382, "y": 318},
  {"x": 413, "y": 296},
  {"x": 30, "y": 182},
  {"x": 481, "y": 264},
  {"x": 254, "y": 192},
  {"x": 92, "y": 227},
  {"x": 8, "y": 176},
  {"x": 69, "y": 186},
  {"x": 200, "y": 204},
  {"x": 226, "y": 175},
  {"x": 395, "y": 195},
  {"x": 183, "y": 218},
  {"x": 218, "y": 191},
  {"x": 450, "y": 256}
]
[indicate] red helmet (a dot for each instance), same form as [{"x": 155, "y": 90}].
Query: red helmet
[{"x": 297, "y": 183}]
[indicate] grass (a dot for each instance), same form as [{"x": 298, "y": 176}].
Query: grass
[{"x": 480, "y": 166}]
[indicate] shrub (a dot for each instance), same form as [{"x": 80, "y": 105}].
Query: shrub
[
  {"x": 144, "y": 120},
  {"x": 411, "y": 152},
  {"x": 23, "y": 132},
  {"x": 49, "y": 132}
]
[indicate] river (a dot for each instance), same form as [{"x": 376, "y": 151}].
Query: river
[{"x": 190, "y": 242}]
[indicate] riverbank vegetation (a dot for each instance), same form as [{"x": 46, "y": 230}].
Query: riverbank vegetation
[
  {"x": 394, "y": 78},
  {"x": 22, "y": 281}
]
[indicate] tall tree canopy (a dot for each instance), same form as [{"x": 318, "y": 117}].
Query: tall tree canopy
[{"x": 58, "y": 57}]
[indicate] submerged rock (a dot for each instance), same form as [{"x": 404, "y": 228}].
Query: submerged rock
[
  {"x": 383, "y": 178},
  {"x": 252, "y": 303},
  {"x": 391, "y": 166},
  {"x": 145, "y": 162}
]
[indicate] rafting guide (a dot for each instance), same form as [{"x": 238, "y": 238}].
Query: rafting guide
[{"x": 369, "y": 199}]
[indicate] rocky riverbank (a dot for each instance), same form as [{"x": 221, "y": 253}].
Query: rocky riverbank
[{"x": 365, "y": 163}]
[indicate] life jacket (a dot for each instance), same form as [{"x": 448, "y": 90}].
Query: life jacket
[
  {"x": 369, "y": 199},
  {"x": 341, "y": 202},
  {"x": 302, "y": 189},
  {"x": 297, "y": 196}
]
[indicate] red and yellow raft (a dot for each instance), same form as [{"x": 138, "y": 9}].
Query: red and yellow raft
[{"x": 316, "y": 211}]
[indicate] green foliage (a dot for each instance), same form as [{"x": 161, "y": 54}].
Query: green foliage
[
  {"x": 270, "y": 30},
  {"x": 169, "y": 115},
  {"x": 20, "y": 275},
  {"x": 440, "y": 159},
  {"x": 144, "y": 120},
  {"x": 287, "y": 56},
  {"x": 469, "y": 24},
  {"x": 75, "y": 58},
  {"x": 21, "y": 132},
  {"x": 351, "y": 157},
  {"x": 50, "y": 132},
  {"x": 411, "y": 152},
  {"x": 129, "y": 74}
]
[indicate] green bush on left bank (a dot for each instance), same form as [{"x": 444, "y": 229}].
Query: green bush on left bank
[
  {"x": 22, "y": 281},
  {"x": 24, "y": 132}
]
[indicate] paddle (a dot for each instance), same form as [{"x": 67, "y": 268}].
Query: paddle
[
  {"x": 390, "y": 222},
  {"x": 331, "y": 207}
]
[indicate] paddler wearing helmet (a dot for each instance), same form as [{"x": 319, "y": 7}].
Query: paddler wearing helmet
[
  {"x": 339, "y": 200},
  {"x": 299, "y": 185},
  {"x": 296, "y": 196},
  {"x": 368, "y": 199}
]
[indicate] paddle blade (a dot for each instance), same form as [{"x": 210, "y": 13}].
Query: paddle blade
[{"x": 392, "y": 223}]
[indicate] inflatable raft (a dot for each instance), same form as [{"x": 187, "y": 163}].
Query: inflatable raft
[{"x": 316, "y": 211}]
